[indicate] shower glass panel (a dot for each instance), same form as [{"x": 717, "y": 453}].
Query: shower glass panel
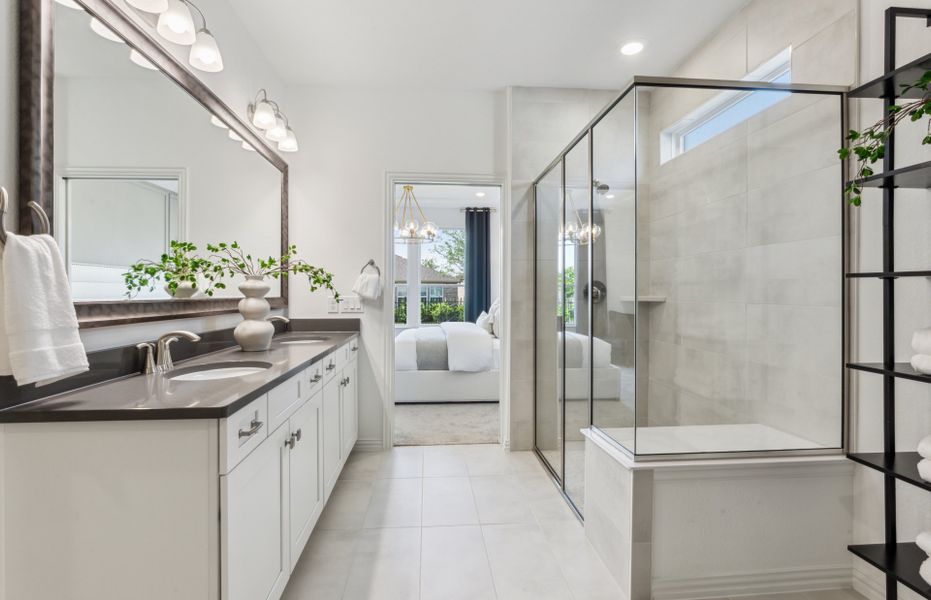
[
  {"x": 550, "y": 305},
  {"x": 576, "y": 244},
  {"x": 715, "y": 306}
]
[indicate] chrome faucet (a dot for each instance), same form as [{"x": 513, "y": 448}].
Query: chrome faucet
[
  {"x": 164, "y": 363},
  {"x": 149, "y": 358}
]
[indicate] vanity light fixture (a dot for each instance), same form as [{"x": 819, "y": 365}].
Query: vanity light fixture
[
  {"x": 104, "y": 31},
  {"x": 149, "y": 6},
  {"x": 205, "y": 54},
  {"x": 176, "y": 24},
  {"x": 266, "y": 115},
  {"x": 631, "y": 48},
  {"x": 261, "y": 111},
  {"x": 216, "y": 122},
  {"x": 411, "y": 225},
  {"x": 247, "y": 146},
  {"x": 70, "y": 4},
  {"x": 235, "y": 136},
  {"x": 279, "y": 131},
  {"x": 289, "y": 144},
  {"x": 137, "y": 58}
]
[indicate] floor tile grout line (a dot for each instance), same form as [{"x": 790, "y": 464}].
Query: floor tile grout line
[{"x": 481, "y": 532}]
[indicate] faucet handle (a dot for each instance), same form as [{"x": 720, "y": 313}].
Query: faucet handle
[{"x": 149, "y": 359}]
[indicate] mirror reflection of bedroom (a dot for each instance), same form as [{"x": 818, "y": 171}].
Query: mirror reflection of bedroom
[{"x": 447, "y": 321}]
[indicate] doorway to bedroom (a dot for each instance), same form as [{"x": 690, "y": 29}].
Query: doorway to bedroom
[{"x": 448, "y": 326}]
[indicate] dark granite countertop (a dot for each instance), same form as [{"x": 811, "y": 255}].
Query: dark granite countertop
[{"x": 156, "y": 397}]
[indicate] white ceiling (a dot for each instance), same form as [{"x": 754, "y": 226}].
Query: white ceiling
[
  {"x": 454, "y": 195},
  {"x": 477, "y": 44}
]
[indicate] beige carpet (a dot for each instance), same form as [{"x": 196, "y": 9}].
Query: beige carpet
[{"x": 433, "y": 424}]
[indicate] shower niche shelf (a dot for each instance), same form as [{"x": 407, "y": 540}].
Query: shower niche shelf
[
  {"x": 900, "y": 561},
  {"x": 906, "y": 74}
]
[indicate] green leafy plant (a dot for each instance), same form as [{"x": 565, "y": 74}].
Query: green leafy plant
[
  {"x": 869, "y": 145},
  {"x": 178, "y": 265},
  {"x": 229, "y": 259}
]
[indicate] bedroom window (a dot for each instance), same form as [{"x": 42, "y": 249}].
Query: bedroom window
[
  {"x": 727, "y": 109},
  {"x": 434, "y": 273}
]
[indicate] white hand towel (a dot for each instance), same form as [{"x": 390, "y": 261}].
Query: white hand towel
[
  {"x": 921, "y": 341},
  {"x": 39, "y": 340},
  {"x": 368, "y": 286},
  {"x": 924, "y": 468},
  {"x": 923, "y": 541},
  {"x": 925, "y": 570},
  {"x": 924, "y": 447},
  {"x": 922, "y": 363}
]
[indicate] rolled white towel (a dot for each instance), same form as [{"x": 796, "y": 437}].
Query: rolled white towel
[
  {"x": 922, "y": 363},
  {"x": 925, "y": 570},
  {"x": 924, "y": 447},
  {"x": 924, "y": 468},
  {"x": 924, "y": 541},
  {"x": 921, "y": 341}
]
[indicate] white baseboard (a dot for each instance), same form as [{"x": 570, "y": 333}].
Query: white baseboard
[
  {"x": 872, "y": 585},
  {"x": 370, "y": 445},
  {"x": 747, "y": 584}
]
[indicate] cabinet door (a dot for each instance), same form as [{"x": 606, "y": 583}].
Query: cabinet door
[
  {"x": 332, "y": 433},
  {"x": 254, "y": 523},
  {"x": 350, "y": 408},
  {"x": 306, "y": 483}
]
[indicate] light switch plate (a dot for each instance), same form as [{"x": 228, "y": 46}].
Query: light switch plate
[{"x": 351, "y": 304}]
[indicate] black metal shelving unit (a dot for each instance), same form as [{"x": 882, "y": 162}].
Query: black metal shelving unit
[{"x": 900, "y": 562}]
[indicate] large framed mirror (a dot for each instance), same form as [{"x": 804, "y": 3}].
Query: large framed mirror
[{"x": 127, "y": 150}]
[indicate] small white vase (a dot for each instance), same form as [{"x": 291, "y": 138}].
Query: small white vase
[
  {"x": 185, "y": 290},
  {"x": 254, "y": 334}
]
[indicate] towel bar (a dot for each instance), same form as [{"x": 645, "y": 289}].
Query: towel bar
[
  {"x": 46, "y": 225},
  {"x": 371, "y": 263}
]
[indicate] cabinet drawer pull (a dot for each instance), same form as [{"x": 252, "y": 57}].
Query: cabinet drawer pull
[
  {"x": 330, "y": 367},
  {"x": 298, "y": 434},
  {"x": 355, "y": 348},
  {"x": 253, "y": 429},
  {"x": 289, "y": 443},
  {"x": 316, "y": 378}
]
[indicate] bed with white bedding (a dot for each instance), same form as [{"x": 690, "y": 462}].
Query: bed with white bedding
[{"x": 460, "y": 362}]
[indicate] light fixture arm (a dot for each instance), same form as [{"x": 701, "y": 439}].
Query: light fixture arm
[{"x": 200, "y": 12}]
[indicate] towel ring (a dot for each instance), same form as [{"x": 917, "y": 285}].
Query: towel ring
[
  {"x": 45, "y": 224},
  {"x": 371, "y": 263}
]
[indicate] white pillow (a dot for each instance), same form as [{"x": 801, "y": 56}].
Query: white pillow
[
  {"x": 484, "y": 321},
  {"x": 494, "y": 310}
]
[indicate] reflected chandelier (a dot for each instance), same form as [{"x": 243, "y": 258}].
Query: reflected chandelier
[
  {"x": 411, "y": 225},
  {"x": 575, "y": 231}
]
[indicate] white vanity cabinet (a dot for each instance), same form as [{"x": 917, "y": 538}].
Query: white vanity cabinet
[{"x": 189, "y": 509}]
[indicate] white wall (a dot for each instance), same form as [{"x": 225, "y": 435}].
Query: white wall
[
  {"x": 8, "y": 51},
  {"x": 350, "y": 138},
  {"x": 913, "y": 311}
]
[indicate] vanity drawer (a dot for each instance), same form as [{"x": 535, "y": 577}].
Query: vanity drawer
[
  {"x": 313, "y": 379},
  {"x": 242, "y": 432},
  {"x": 283, "y": 401},
  {"x": 352, "y": 350},
  {"x": 330, "y": 365}
]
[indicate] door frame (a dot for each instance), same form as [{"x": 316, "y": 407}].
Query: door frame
[{"x": 392, "y": 179}]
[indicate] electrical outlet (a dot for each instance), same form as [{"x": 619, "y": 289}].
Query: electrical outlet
[
  {"x": 351, "y": 304},
  {"x": 332, "y": 306}
]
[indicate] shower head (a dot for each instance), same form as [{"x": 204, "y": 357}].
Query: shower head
[{"x": 601, "y": 188}]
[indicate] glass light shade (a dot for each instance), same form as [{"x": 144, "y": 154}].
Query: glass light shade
[
  {"x": 215, "y": 121},
  {"x": 105, "y": 32},
  {"x": 70, "y": 4},
  {"x": 277, "y": 132},
  {"x": 289, "y": 144},
  {"x": 596, "y": 231},
  {"x": 263, "y": 114},
  {"x": 205, "y": 54},
  {"x": 176, "y": 24},
  {"x": 235, "y": 136},
  {"x": 151, "y": 6},
  {"x": 247, "y": 146},
  {"x": 140, "y": 60}
]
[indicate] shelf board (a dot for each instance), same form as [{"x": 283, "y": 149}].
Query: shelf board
[
  {"x": 644, "y": 298},
  {"x": 902, "y": 370},
  {"x": 887, "y": 275},
  {"x": 916, "y": 177},
  {"x": 902, "y": 465},
  {"x": 900, "y": 560},
  {"x": 906, "y": 74}
]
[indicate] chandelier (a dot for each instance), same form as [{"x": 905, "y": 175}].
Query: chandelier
[
  {"x": 411, "y": 226},
  {"x": 575, "y": 231}
]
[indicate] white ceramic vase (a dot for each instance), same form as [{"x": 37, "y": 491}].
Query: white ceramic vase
[
  {"x": 255, "y": 333},
  {"x": 185, "y": 290}
]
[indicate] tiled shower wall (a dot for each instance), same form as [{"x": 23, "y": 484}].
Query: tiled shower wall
[{"x": 744, "y": 235}]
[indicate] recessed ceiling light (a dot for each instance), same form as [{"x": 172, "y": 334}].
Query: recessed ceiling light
[
  {"x": 631, "y": 48},
  {"x": 609, "y": 196},
  {"x": 480, "y": 194}
]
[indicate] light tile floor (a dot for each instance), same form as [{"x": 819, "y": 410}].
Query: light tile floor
[
  {"x": 448, "y": 523},
  {"x": 455, "y": 523}
]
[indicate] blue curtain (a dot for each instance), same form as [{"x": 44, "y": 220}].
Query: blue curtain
[{"x": 477, "y": 262}]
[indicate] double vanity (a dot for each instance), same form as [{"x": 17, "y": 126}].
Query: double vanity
[{"x": 204, "y": 482}]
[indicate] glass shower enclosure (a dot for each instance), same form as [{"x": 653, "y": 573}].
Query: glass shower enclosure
[{"x": 689, "y": 297}]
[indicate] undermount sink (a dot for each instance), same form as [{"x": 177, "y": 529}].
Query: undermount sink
[
  {"x": 309, "y": 339},
  {"x": 220, "y": 370}
]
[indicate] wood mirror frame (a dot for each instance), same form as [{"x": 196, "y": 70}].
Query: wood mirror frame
[{"x": 36, "y": 142}]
